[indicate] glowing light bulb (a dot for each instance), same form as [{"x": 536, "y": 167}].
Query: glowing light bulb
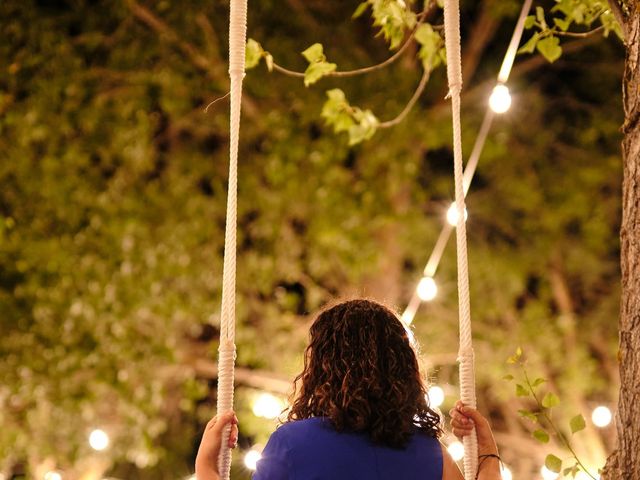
[
  {"x": 251, "y": 459},
  {"x": 427, "y": 289},
  {"x": 98, "y": 439},
  {"x": 505, "y": 473},
  {"x": 456, "y": 450},
  {"x": 435, "y": 396},
  {"x": 548, "y": 474},
  {"x": 601, "y": 416},
  {"x": 500, "y": 99},
  {"x": 267, "y": 406},
  {"x": 452, "y": 215},
  {"x": 52, "y": 475}
]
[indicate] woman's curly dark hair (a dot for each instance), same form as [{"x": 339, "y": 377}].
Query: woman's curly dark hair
[{"x": 361, "y": 372}]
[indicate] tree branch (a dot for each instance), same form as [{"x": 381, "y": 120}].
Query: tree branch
[
  {"x": 416, "y": 95},
  {"x": 360, "y": 71}
]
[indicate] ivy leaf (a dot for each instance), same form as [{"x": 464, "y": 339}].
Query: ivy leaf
[
  {"x": 540, "y": 17},
  {"x": 530, "y": 46},
  {"x": 335, "y": 111},
  {"x": 537, "y": 382},
  {"x": 253, "y": 54},
  {"x": 550, "y": 400},
  {"x": 573, "y": 471},
  {"x": 508, "y": 377},
  {"x": 360, "y": 10},
  {"x": 315, "y": 71},
  {"x": 521, "y": 391},
  {"x": 315, "y": 53},
  {"x": 550, "y": 48},
  {"x": 610, "y": 24},
  {"x": 577, "y": 423},
  {"x": 562, "y": 24},
  {"x": 541, "y": 436},
  {"x": 527, "y": 414},
  {"x": 553, "y": 463},
  {"x": 530, "y": 21},
  {"x": 515, "y": 358},
  {"x": 366, "y": 127},
  {"x": 430, "y": 44}
]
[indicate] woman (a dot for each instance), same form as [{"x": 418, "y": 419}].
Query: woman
[{"x": 361, "y": 409}]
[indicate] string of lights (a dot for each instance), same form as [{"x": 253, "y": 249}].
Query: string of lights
[{"x": 499, "y": 102}]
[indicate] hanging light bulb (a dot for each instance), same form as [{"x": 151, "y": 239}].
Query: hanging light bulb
[
  {"x": 427, "y": 289},
  {"x": 435, "y": 395},
  {"x": 548, "y": 474},
  {"x": 505, "y": 473},
  {"x": 267, "y": 406},
  {"x": 456, "y": 450},
  {"x": 601, "y": 416},
  {"x": 98, "y": 439},
  {"x": 251, "y": 459},
  {"x": 500, "y": 99},
  {"x": 452, "y": 215}
]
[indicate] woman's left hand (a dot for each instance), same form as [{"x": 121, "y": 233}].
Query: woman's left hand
[{"x": 207, "y": 458}]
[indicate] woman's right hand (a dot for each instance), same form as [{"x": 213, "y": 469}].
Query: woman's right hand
[{"x": 463, "y": 419}]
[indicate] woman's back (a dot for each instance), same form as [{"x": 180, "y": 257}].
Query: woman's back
[{"x": 311, "y": 449}]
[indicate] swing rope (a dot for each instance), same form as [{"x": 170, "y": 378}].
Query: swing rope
[
  {"x": 227, "y": 348},
  {"x": 465, "y": 353}
]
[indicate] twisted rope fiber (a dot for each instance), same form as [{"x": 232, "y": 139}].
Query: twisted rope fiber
[
  {"x": 227, "y": 349},
  {"x": 465, "y": 356}
]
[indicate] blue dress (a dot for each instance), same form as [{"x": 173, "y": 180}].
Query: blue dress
[{"x": 312, "y": 449}]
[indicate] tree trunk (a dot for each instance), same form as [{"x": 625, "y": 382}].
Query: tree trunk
[{"x": 624, "y": 463}]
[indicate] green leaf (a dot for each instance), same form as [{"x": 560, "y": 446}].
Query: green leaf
[
  {"x": 577, "y": 423},
  {"x": 550, "y": 48},
  {"x": 529, "y": 415},
  {"x": 537, "y": 382},
  {"x": 541, "y": 435},
  {"x": 530, "y": 46},
  {"x": 360, "y": 10},
  {"x": 529, "y": 22},
  {"x": 430, "y": 44},
  {"x": 573, "y": 471},
  {"x": 508, "y": 377},
  {"x": 515, "y": 358},
  {"x": 364, "y": 130},
  {"x": 553, "y": 463},
  {"x": 253, "y": 54},
  {"x": 550, "y": 400},
  {"x": 335, "y": 111},
  {"x": 315, "y": 71},
  {"x": 521, "y": 391},
  {"x": 562, "y": 24},
  {"x": 540, "y": 17},
  {"x": 315, "y": 53}
]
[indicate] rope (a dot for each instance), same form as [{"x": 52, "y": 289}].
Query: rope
[
  {"x": 227, "y": 349},
  {"x": 465, "y": 355}
]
